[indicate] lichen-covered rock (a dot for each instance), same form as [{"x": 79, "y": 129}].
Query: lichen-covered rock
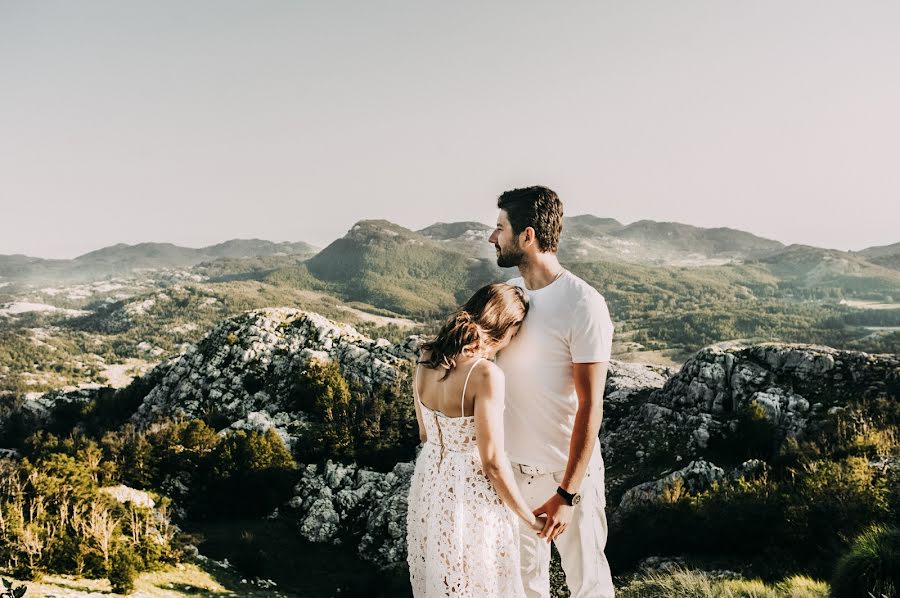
[
  {"x": 244, "y": 368},
  {"x": 720, "y": 379},
  {"x": 695, "y": 477},
  {"x": 795, "y": 388},
  {"x": 124, "y": 494},
  {"x": 337, "y": 502}
]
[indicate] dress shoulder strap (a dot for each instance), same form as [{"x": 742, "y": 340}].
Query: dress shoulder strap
[{"x": 462, "y": 400}]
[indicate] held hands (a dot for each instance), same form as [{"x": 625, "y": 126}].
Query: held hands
[
  {"x": 538, "y": 523},
  {"x": 556, "y": 515}
]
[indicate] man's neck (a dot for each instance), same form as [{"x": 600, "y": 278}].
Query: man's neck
[{"x": 540, "y": 270}]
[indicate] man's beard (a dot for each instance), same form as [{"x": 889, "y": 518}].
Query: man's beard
[{"x": 508, "y": 257}]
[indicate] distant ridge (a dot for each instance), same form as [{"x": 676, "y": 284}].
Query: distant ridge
[
  {"x": 384, "y": 264},
  {"x": 881, "y": 250},
  {"x": 121, "y": 258},
  {"x": 586, "y": 238},
  {"x": 590, "y": 238}
]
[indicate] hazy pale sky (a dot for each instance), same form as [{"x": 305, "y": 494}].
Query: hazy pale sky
[{"x": 196, "y": 122}]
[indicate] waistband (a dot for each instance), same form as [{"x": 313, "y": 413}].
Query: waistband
[
  {"x": 532, "y": 470},
  {"x": 596, "y": 460}
]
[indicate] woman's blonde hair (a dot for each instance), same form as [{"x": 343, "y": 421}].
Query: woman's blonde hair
[{"x": 484, "y": 319}]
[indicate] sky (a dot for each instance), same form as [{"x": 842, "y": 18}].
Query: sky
[{"x": 197, "y": 122}]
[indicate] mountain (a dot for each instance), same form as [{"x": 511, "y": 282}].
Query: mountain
[
  {"x": 586, "y": 238},
  {"x": 468, "y": 238},
  {"x": 20, "y": 267},
  {"x": 809, "y": 267},
  {"x": 447, "y": 231},
  {"x": 725, "y": 242},
  {"x": 884, "y": 255},
  {"x": 590, "y": 238},
  {"x": 167, "y": 255},
  {"x": 392, "y": 267},
  {"x": 122, "y": 258},
  {"x": 586, "y": 225},
  {"x": 881, "y": 250}
]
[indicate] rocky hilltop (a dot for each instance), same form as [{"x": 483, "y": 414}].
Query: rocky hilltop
[
  {"x": 242, "y": 369},
  {"x": 657, "y": 429},
  {"x": 659, "y": 425},
  {"x": 794, "y": 390}
]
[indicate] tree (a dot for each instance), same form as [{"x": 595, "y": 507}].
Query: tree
[
  {"x": 100, "y": 528},
  {"x": 123, "y": 570},
  {"x": 324, "y": 395},
  {"x": 252, "y": 473}
]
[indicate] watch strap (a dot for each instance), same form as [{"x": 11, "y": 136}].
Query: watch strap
[{"x": 566, "y": 495}]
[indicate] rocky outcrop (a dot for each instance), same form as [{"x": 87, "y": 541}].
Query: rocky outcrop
[
  {"x": 243, "y": 369},
  {"x": 124, "y": 495},
  {"x": 645, "y": 406},
  {"x": 788, "y": 381},
  {"x": 341, "y": 503},
  {"x": 658, "y": 426},
  {"x": 696, "y": 477},
  {"x": 34, "y": 410},
  {"x": 796, "y": 388},
  {"x": 337, "y": 503}
]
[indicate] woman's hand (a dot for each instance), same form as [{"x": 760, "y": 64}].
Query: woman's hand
[{"x": 538, "y": 523}]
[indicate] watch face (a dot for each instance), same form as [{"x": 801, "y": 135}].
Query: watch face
[{"x": 576, "y": 499}]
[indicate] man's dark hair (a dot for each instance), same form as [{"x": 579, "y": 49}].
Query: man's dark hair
[{"x": 537, "y": 207}]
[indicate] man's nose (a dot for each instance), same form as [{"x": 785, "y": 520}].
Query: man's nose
[{"x": 492, "y": 239}]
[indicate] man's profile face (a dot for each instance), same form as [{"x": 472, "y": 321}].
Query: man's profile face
[{"x": 505, "y": 241}]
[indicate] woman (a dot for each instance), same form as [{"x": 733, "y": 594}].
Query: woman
[{"x": 461, "y": 526}]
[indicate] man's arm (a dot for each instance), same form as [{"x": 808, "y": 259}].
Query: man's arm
[{"x": 590, "y": 382}]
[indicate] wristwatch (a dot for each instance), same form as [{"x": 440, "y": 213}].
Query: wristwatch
[{"x": 572, "y": 499}]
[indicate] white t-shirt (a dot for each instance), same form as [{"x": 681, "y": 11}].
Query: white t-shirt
[{"x": 568, "y": 322}]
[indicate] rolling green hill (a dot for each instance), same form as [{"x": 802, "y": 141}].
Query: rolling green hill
[
  {"x": 885, "y": 255},
  {"x": 394, "y": 268},
  {"x": 805, "y": 267}
]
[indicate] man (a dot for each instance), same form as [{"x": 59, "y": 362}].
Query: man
[{"x": 555, "y": 377}]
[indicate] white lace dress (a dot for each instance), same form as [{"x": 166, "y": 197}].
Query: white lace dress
[{"x": 461, "y": 540}]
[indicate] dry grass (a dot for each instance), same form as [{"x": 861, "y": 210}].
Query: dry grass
[
  {"x": 177, "y": 581},
  {"x": 685, "y": 583}
]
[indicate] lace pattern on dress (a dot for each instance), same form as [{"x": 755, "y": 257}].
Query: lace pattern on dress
[{"x": 462, "y": 541}]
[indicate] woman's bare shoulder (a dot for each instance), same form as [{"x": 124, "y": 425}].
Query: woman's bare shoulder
[{"x": 488, "y": 374}]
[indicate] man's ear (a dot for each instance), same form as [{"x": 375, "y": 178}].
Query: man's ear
[{"x": 527, "y": 237}]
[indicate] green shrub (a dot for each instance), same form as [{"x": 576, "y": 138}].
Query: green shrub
[
  {"x": 800, "y": 520},
  {"x": 871, "y": 567},
  {"x": 322, "y": 392},
  {"x": 123, "y": 570},
  {"x": 374, "y": 426},
  {"x": 251, "y": 474}
]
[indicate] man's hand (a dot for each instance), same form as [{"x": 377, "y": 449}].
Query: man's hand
[{"x": 559, "y": 516}]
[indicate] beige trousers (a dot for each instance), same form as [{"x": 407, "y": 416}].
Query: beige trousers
[{"x": 581, "y": 547}]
